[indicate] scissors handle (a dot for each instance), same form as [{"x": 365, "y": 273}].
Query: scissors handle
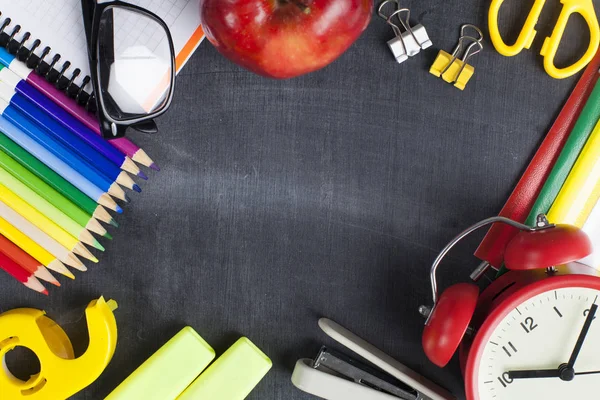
[
  {"x": 526, "y": 36},
  {"x": 585, "y": 8}
]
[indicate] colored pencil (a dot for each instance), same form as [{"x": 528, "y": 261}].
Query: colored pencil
[
  {"x": 581, "y": 190},
  {"x": 58, "y": 183},
  {"x": 26, "y": 262},
  {"x": 71, "y": 142},
  {"x": 27, "y": 128},
  {"x": 62, "y": 135},
  {"x": 52, "y": 196},
  {"x": 30, "y": 247},
  {"x": 53, "y": 257},
  {"x": 124, "y": 145},
  {"x": 59, "y": 166},
  {"x": 71, "y": 123},
  {"x": 20, "y": 207},
  {"x": 44, "y": 207},
  {"x": 35, "y": 242},
  {"x": 526, "y": 191},
  {"x": 23, "y": 276}
]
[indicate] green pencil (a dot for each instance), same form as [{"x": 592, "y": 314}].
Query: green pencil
[
  {"x": 52, "y": 196},
  {"x": 57, "y": 182},
  {"x": 49, "y": 210}
]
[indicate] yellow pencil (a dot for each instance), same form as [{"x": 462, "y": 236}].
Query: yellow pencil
[
  {"x": 33, "y": 249},
  {"x": 41, "y": 238},
  {"x": 43, "y": 223},
  {"x": 48, "y": 209},
  {"x": 581, "y": 190}
]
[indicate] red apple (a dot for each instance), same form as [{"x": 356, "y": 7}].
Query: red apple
[{"x": 284, "y": 38}]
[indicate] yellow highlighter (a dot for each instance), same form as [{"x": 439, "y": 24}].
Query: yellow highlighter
[
  {"x": 581, "y": 190},
  {"x": 232, "y": 376},
  {"x": 168, "y": 371}
]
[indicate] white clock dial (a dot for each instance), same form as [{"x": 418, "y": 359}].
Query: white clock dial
[{"x": 540, "y": 334}]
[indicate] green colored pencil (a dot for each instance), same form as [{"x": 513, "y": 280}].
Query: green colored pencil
[
  {"x": 40, "y": 204},
  {"x": 52, "y": 196},
  {"x": 54, "y": 180}
]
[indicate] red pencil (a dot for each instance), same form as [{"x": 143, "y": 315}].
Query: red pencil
[
  {"x": 26, "y": 262},
  {"x": 26, "y": 278}
]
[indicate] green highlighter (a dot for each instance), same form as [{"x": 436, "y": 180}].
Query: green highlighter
[
  {"x": 168, "y": 371},
  {"x": 232, "y": 376}
]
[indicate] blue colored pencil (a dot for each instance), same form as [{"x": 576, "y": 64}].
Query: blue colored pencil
[
  {"x": 69, "y": 122},
  {"x": 68, "y": 139},
  {"x": 29, "y": 129},
  {"x": 52, "y": 161}
]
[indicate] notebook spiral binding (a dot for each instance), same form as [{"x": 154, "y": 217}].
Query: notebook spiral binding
[{"x": 52, "y": 70}]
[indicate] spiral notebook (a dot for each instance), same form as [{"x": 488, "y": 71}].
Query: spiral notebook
[{"x": 49, "y": 36}]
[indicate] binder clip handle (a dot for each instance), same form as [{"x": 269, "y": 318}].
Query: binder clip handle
[
  {"x": 408, "y": 41},
  {"x": 404, "y": 21},
  {"x": 468, "y": 52}
]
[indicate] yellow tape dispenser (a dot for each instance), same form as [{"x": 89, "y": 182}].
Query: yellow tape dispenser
[
  {"x": 585, "y": 8},
  {"x": 61, "y": 374}
]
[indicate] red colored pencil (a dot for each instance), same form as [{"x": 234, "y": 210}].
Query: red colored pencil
[
  {"x": 26, "y": 278},
  {"x": 26, "y": 262}
]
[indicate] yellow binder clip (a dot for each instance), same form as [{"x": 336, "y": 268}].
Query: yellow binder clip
[
  {"x": 585, "y": 8},
  {"x": 454, "y": 70},
  {"x": 61, "y": 374}
]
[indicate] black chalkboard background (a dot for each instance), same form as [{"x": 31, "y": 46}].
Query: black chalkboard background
[{"x": 327, "y": 195}]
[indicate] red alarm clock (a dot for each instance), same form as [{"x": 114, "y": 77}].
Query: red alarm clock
[{"x": 532, "y": 333}]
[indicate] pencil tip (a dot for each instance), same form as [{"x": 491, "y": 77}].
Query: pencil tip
[
  {"x": 142, "y": 175},
  {"x": 126, "y": 199},
  {"x": 114, "y": 223},
  {"x": 137, "y": 188},
  {"x": 119, "y": 210},
  {"x": 98, "y": 246},
  {"x": 45, "y": 291},
  {"x": 56, "y": 283},
  {"x": 108, "y": 236},
  {"x": 154, "y": 167}
]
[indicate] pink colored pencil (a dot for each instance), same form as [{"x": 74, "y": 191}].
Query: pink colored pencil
[{"x": 124, "y": 145}]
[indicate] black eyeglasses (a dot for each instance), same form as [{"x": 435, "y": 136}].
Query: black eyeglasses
[{"x": 132, "y": 65}]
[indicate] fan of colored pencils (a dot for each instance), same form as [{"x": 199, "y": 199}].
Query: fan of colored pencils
[{"x": 58, "y": 177}]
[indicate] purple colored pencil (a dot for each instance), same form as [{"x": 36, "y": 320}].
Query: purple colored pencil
[
  {"x": 73, "y": 125},
  {"x": 124, "y": 145}
]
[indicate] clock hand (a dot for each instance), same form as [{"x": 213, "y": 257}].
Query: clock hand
[
  {"x": 534, "y": 373},
  {"x": 582, "y": 335}
]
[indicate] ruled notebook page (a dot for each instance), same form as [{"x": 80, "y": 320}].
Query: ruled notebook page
[{"x": 59, "y": 24}]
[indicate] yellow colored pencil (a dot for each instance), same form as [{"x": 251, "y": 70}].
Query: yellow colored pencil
[
  {"x": 48, "y": 209},
  {"x": 32, "y": 248},
  {"x": 581, "y": 190},
  {"x": 41, "y": 238},
  {"x": 43, "y": 223}
]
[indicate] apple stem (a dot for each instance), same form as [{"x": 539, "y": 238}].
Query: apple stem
[{"x": 299, "y": 4}]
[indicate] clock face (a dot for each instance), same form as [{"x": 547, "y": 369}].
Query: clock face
[{"x": 540, "y": 334}]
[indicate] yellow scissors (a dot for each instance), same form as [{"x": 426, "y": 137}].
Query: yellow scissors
[{"x": 585, "y": 8}]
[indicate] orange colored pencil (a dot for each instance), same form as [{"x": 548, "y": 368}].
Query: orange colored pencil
[
  {"x": 26, "y": 262},
  {"x": 26, "y": 278}
]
